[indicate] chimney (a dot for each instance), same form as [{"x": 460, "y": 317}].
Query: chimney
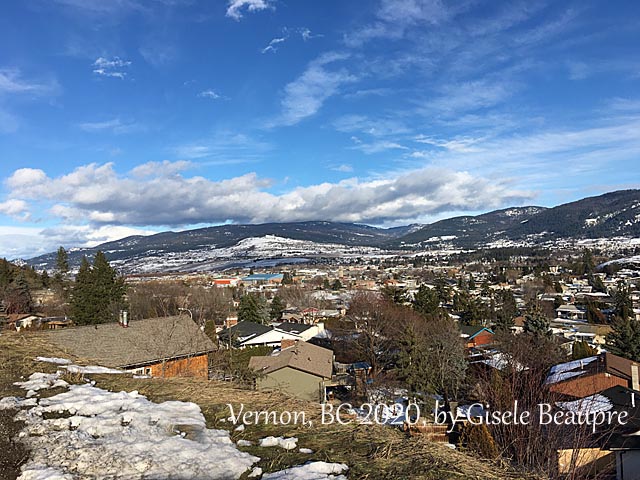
[
  {"x": 286, "y": 343},
  {"x": 635, "y": 380},
  {"x": 230, "y": 321}
]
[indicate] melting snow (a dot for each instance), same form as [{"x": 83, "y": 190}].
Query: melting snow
[
  {"x": 286, "y": 443},
  {"x": 91, "y": 369},
  {"x": 57, "y": 361},
  {"x": 310, "y": 471},
  {"x": 40, "y": 381}
]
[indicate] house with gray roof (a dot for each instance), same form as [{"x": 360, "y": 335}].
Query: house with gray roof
[{"x": 163, "y": 347}]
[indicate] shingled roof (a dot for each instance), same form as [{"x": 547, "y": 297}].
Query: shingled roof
[
  {"x": 301, "y": 356},
  {"x": 143, "y": 342}
]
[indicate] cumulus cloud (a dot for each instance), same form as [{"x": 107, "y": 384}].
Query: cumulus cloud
[
  {"x": 235, "y": 7},
  {"x": 98, "y": 195},
  {"x": 15, "y": 208},
  {"x": 115, "y": 67},
  {"x": 305, "y": 96}
]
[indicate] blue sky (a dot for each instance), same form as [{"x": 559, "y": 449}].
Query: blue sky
[{"x": 133, "y": 116}]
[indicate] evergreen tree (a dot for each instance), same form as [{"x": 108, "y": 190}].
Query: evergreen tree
[
  {"x": 252, "y": 309},
  {"x": 287, "y": 278},
  {"x": 277, "y": 307},
  {"x": 336, "y": 285},
  {"x": 506, "y": 311},
  {"x": 17, "y": 298},
  {"x": 98, "y": 292},
  {"x": 582, "y": 350},
  {"x": 536, "y": 323},
  {"x": 624, "y": 339},
  {"x": 623, "y": 308},
  {"x": 426, "y": 301},
  {"x": 62, "y": 261},
  {"x": 45, "y": 279}
]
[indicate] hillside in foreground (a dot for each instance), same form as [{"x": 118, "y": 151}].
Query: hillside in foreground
[{"x": 372, "y": 452}]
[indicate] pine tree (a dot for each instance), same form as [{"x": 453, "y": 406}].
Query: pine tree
[
  {"x": 506, "y": 311},
  {"x": 18, "y": 296},
  {"x": 624, "y": 339},
  {"x": 277, "y": 307},
  {"x": 426, "y": 301},
  {"x": 98, "y": 293},
  {"x": 287, "y": 278},
  {"x": 536, "y": 323},
  {"x": 623, "y": 308},
  {"x": 62, "y": 261},
  {"x": 252, "y": 309}
]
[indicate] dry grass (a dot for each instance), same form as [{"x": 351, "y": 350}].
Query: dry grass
[{"x": 371, "y": 451}]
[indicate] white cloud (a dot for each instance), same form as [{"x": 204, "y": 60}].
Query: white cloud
[
  {"x": 305, "y": 96},
  {"x": 115, "y": 126},
  {"x": 27, "y": 242},
  {"x": 12, "y": 82},
  {"x": 235, "y": 7},
  {"x": 272, "y": 46},
  {"x": 209, "y": 93},
  {"x": 345, "y": 168},
  {"x": 166, "y": 167},
  {"x": 306, "y": 34},
  {"x": 97, "y": 195},
  {"x": 115, "y": 67},
  {"x": 18, "y": 209},
  {"x": 377, "y": 146}
]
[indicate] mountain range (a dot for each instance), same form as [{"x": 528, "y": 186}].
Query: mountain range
[{"x": 614, "y": 214}]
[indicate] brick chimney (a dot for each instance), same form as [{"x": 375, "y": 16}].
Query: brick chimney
[
  {"x": 230, "y": 321},
  {"x": 286, "y": 343}
]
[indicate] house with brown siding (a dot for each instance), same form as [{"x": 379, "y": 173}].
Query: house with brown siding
[
  {"x": 160, "y": 347},
  {"x": 587, "y": 376}
]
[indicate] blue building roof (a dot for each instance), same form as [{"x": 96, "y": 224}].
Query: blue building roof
[{"x": 262, "y": 277}]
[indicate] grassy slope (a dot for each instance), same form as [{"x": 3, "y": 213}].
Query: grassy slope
[{"x": 372, "y": 452}]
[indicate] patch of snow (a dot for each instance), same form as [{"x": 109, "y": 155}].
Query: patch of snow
[
  {"x": 286, "y": 443},
  {"x": 44, "y": 473},
  {"x": 91, "y": 369},
  {"x": 305, "y": 450},
  {"x": 124, "y": 435},
  {"x": 41, "y": 381},
  {"x": 310, "y": 471},
  {"x": 244, "y": 443},
  {"x": 256, "y": 472},
  {"x": 14, "y": 403},
  {"x": 57, "y": 361}
]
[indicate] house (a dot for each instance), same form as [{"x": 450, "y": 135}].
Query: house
[
  {"x": 251, "y": 334},
  {"x": 591, "y": 375},
  {"x": 476, "y": 336},
  {"x": 301, "y": 370},
  {"x": 160, "y": 347},
  {"x": 570, "y": 312}
]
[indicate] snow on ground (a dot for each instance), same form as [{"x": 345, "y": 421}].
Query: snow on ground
[
  {"x": 91, "y": 369},
  {"x": 286, "y": 443},
  {"x": 41, "y": 381},
  {"x": 93, "y": 433},
  {"x": 57, "y": 361},
  {"x": 310, "y": 471}
]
